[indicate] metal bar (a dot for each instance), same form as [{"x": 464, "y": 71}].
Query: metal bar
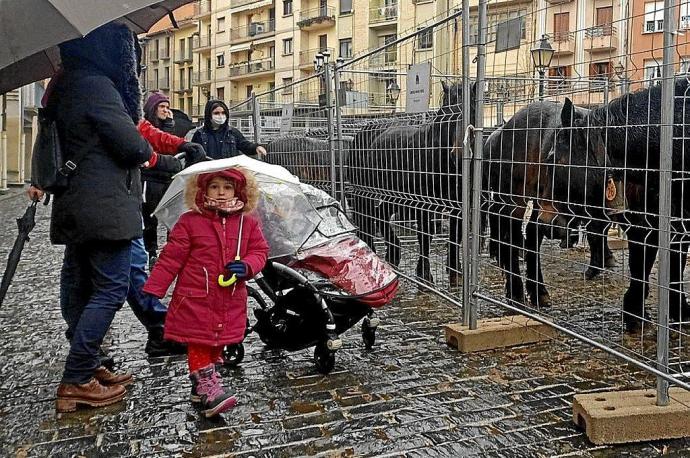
[
  {"x": 477, "y": 157},
  {"x": 665, "y": 163},
  {"x": 256, "y": 117},
  {"x": 339, "y": 133},
  {"x": 668, "y": 378},
  {"x": 466, "y": 107},
  {"x": 328, "y": 83}
]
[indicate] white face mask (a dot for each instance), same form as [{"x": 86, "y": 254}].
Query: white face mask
[{"x": 219, "y": 119}]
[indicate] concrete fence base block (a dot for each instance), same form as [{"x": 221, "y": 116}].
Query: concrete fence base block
[
  {"x": 493, "y": 333},
  {"x": 632, "y": 416}
]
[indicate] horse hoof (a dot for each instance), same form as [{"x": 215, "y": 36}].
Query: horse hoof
[
  {"x": 454, "y": 279},
  {"x": 543, "y": 301},
  {"x": 592, "y": 272},
  {"x": 610, "y": 261}
]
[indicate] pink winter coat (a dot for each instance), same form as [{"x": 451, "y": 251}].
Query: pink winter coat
[{"x": 199, "y": 247}]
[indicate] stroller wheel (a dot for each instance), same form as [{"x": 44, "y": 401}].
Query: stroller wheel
[
  {"x": 368, "y": 335},
  {"x": 324, "y": 359},
  {"x": 233, "y": 355}
]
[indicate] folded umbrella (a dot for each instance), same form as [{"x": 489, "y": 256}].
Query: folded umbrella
[
  {"x": 30, "y": 31},
  {"x": 25, "y": 224}
]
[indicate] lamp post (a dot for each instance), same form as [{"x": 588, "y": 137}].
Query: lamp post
[
  {"x": 622, "y": 79},
  {"x": 542, "y": 54},
  {"x": 393, "y": 93}
]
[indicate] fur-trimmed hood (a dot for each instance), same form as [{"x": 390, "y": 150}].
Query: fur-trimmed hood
[
  {"x": 111, "y": 50},
  {"x": 193, "y": 194}
]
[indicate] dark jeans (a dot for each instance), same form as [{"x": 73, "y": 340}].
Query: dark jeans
[
  {"x": 153, "y": 195},
  {"x": 75, "y": 290},
  {"x": 93, "y": 287}
]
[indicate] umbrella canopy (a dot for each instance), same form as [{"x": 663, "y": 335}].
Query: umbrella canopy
[
  {"x": 30, "y": 31},
  {"x": 288, "y": 218}
]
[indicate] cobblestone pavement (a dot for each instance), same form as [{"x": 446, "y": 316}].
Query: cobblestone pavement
[{"x": 411, "y": 396}]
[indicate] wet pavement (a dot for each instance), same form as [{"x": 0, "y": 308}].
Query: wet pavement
[{"x": 411, "y": 396}]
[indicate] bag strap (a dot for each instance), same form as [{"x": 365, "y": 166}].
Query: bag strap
[{"x": 71, "y": 164}]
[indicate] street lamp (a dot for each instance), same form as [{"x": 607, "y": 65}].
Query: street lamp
[
  {"x": 541, "y": 57},
  {"x": 393, "y": 93},
  {"x": 620, "y": 72}
]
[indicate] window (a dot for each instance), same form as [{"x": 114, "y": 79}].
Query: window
[
  {"x": 345, "y": 6},
  {"x": 181, "y": 75},
  {"x": 181, "y": 104},
  {"x": 492, "y": 21},
  {"x": 250, "y": 89},
  {"x": 220, "y": 93},
  {"x": 287, "y": 46},
  {"x": 287, "y": 82},
  {"x": 684, "y": 65},
  {"x": 220, "y": 24},
  {"x": 287, "y": 7},
  {"x": 654, "y": 17},
  {"x": 558, "y": 77},
  {"x": 345, "y": 48},
  {"x": 561, "y": 27},
  {"x": 220, "y": 60},
  {"x": 684, "y": 16},
  {"x": 652, "y": 73},
  {"x": 605, "y": 20},
  {"x": 425, "y": 40}
]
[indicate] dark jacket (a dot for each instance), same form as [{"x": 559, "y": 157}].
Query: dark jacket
[
  {"x": 225, "y": 141},
  {"x": 98, "y": 105}
]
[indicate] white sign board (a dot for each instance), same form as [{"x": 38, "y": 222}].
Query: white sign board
[
  {"x": 286, "y": 118},
  {"x": 418, "y": 88}
]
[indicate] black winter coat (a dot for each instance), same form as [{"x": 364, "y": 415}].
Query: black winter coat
[
  {"x": 103, "y": 200},
  {"x": 224, "y": 142}
]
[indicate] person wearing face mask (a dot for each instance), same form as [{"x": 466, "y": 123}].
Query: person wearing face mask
[{"x": 219, "y": 139}]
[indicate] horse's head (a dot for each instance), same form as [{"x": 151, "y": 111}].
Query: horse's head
[
  {"x": 451, "y": 99},
  {"x": 575, "y": 180}
]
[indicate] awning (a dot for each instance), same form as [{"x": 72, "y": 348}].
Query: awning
[
  {"x": 241, "y": 47},
  {"x": 252, "y": 6}
]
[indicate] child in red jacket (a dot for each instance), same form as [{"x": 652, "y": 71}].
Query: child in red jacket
[{"x": 203, "y": 246}]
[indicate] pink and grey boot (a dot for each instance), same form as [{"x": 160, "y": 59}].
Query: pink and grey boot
[{"x": 215, "y": 399}]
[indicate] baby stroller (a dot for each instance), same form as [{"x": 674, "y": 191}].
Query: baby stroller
[
  {"x": 320, "y": 279},
  {"x": 312, "y": 297}
]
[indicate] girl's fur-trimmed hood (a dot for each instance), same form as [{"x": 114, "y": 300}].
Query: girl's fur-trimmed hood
[{"x": 251, "y": 190}]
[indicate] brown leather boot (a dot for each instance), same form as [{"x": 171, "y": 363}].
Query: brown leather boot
[
  {"x": 91, "y": 394},
  {"x": 107, "y": 378}
]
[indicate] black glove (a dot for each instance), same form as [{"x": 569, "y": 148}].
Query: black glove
[
  {"x": 168, "y": 164},
  {"x": 193, "y": 151},
  {"x": 238, "y": 268}
]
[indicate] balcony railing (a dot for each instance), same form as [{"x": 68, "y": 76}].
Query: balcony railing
[
  {"x": 383, "y": 13},
  {"x": 238, "y": 3},
  {"x": 201, "y": 41},
  {"x": 316, "y": 16},
  {"x": 384, "y": 59},
  {"x": 253, "y": 30},
  {"x": 184, "y": 56},
  {"x": 560, "y": 37},
  {"x": 600, "y": 31},
  {"x": 307, "y": 57},
  {"x": 202, "y": 77},
  {"x": 254, "y": 66},
  {"x": 164, "y": 83},
  {"x": 380, "y": 99},
  {"x": 563, "y": 43}
]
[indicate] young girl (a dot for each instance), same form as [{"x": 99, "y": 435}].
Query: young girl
[{"x": 206, "y": 312}]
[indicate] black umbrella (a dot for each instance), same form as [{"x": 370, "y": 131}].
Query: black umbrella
[{"x": 25, "y": 224}]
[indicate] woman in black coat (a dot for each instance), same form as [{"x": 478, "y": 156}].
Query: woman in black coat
[
  {"x": 219, "y": 139},
  {"x": 96, "y": 103}
]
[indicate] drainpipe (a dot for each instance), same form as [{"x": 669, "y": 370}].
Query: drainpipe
[{"x": 3, "y": 145}]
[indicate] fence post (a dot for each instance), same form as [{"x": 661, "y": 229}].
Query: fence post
[
  {"x": 339, "y": 134},
  {"x": 466, "y": 169},
  {"x": 256, "y": 118},
  {"x": 328, "y": 83},
  {"x": 665, "y": 163}
]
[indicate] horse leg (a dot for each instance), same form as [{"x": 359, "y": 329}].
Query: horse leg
[
  {"x": 678, "y": 304},
  {"x": 389, "y": 235},
  {"x": 538, "y": 295},
  {"x": 509, "y": 246},
  {"x": 642, "y": 253},
  {"x": 423, "y": 270},
  {"x": 599, "y": 251},
  {"x": 362, "y": 214},
  {"x": 493, "y": 234},
  {"x": 454, "y": 240}
]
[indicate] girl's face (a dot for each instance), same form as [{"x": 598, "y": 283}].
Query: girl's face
[
  {"x": 218, "y": 111},
  {"x": 221, "y": 189},
  {"x": 163, "y": 111}
]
